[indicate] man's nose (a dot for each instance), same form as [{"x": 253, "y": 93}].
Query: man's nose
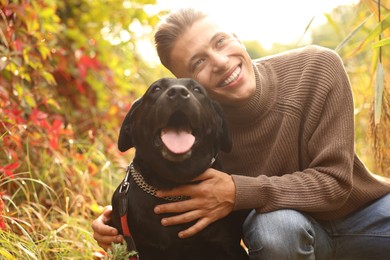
[{"x": 219, "y": 61}]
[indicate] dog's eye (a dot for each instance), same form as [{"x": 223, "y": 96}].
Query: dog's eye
[
  {"x": 156, "y": 89},
  {"x": 197, "y": 89}
]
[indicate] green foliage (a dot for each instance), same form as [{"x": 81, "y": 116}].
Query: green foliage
[
  {"x": 119, "y": 252},
  {"x": 358, "y": 33},
  {"x": 69, "y": 71},
  {"x": 254, "y": 49}
]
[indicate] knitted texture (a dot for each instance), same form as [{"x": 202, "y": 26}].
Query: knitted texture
[{"x": 293, "y": 142}]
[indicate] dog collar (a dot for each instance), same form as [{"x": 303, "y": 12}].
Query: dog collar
[{"x": 140, "y": 181}]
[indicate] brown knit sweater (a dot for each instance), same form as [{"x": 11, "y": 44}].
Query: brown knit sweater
[{"x": 293, "y": 143}]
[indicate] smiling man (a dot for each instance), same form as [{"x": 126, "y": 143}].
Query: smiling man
[
  {"x": 215, "y": 58},
  {"x": 293, "y": 164}
]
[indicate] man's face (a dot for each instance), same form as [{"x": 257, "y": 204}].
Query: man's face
[{"x": 215, "y": 59}]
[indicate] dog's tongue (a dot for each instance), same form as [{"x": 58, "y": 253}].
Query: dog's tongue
[{"x": 177, "y": 140}]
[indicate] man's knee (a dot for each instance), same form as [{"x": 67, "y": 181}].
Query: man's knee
[{"x": 282, "y": 233}]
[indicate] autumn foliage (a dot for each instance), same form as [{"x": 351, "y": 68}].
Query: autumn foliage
[
  {"x": 69, "y": 71},
  {"x": 63, "y": 95}
]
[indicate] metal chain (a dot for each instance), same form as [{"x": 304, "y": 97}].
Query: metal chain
[{"x": 140, "y": 181}]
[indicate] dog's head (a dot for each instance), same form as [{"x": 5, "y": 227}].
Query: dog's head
[{"x": 176, "y": 129}]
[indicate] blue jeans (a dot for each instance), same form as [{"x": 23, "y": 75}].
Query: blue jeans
[{"x": 289, "y": 234}]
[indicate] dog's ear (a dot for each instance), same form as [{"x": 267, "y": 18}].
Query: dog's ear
[
  {"x": 225, "y": 138},
  {"x": 125, "y": 140}
]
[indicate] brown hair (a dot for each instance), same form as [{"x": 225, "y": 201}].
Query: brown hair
[{"x": 170, "y": 29}]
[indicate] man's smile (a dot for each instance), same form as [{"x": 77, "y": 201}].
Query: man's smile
[{"x": 232, "y": 77}]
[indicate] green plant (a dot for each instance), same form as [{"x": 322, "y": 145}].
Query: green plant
[
  {"x": 63, "y": 95},
  {"x": 119, "y": 252}
]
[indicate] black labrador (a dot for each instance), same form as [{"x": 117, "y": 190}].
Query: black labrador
[{"x": 177, "y": 131}]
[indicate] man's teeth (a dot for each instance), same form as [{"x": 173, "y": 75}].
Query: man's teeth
[{"x": 232, "y": 77}]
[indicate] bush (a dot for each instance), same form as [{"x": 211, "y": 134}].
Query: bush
[{"x": 63, "y": 95}]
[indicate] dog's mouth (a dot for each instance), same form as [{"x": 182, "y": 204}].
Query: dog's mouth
[{"x": 177, "y": 137}]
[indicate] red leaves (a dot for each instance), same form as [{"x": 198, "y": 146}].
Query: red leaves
[
  {"x": 54, "y": 129},
  {"x": 38, "y": 117},
  {"x": 14, "y": 115},
  {"x": 9, "y": 169},
  {"x": 40, "y": 129},
  {"x": 85, "y": 63},
  {"x": 18, "y": 45},
  {"x": 11, "y": 112}
]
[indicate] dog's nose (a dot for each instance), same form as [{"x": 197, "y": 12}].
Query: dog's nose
[{"x": 178, "y": 92}]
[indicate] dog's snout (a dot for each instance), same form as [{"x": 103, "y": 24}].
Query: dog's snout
[{"x": 178, "y": 92}]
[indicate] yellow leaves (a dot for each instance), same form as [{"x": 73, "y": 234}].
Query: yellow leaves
[
  {"x": 42, "y": 18},
  {"x": 382, "y": 43},
  {"x": 6, "y": 254},
  {"x": 43, "y": 50},
  {"x": 31, "y": 22},
  {"x": 30, "y": 100},
  {"x": 53, "y": 103},
  {"x": 25, "y": 74},
  {"x": 49, "y": 78},
  {"x": 18, "y": 71},
  {"x": 96, "y": 208}
]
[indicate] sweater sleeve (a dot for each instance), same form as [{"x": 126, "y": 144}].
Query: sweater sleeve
[{"x": 325, "y": 148}]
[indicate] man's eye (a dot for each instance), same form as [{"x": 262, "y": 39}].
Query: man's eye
[
  {"x": 197, "y": 63},
  {"x": 221, "y": 41}
]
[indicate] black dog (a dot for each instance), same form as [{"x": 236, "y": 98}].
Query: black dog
[{"x": 177, "y": 131}]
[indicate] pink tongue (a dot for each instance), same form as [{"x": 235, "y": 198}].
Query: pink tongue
[{"x": 177, "y": 141}]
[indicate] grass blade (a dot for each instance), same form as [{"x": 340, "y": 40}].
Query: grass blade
[{"x": 379, "y": 86}]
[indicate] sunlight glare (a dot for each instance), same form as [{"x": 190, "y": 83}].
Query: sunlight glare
[{"x": 267, "y": 22}]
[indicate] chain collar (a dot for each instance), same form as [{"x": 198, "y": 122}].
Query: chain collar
[{"x": 140, "y": 181}]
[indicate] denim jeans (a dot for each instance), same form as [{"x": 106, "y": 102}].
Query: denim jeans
[{"x": 289, "y": 234}]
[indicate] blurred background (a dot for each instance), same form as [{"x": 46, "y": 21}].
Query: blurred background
[{"x": 69, "y": 71}]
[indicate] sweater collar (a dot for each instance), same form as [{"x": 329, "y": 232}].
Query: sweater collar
[{"x": 260, "y": 103}]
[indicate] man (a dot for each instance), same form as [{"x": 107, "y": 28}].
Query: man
[{"x": 293, "y": 160}]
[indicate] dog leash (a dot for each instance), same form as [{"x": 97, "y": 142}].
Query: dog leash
[{"x": 123, "y": 205}]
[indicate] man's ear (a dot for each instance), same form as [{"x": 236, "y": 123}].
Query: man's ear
[
  {"x": 225, "y": 138},
  {"x": 125, "y": 140}
]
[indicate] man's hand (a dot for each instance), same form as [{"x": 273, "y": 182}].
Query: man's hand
[
  {"x": 211, "y": 199},
  {"x": 103, "y": 233}
]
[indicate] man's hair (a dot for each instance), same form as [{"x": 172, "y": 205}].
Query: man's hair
[{"x": 171, "y": 28}]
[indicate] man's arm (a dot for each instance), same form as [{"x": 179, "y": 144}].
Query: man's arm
[{"x": 211, "y": 199}]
